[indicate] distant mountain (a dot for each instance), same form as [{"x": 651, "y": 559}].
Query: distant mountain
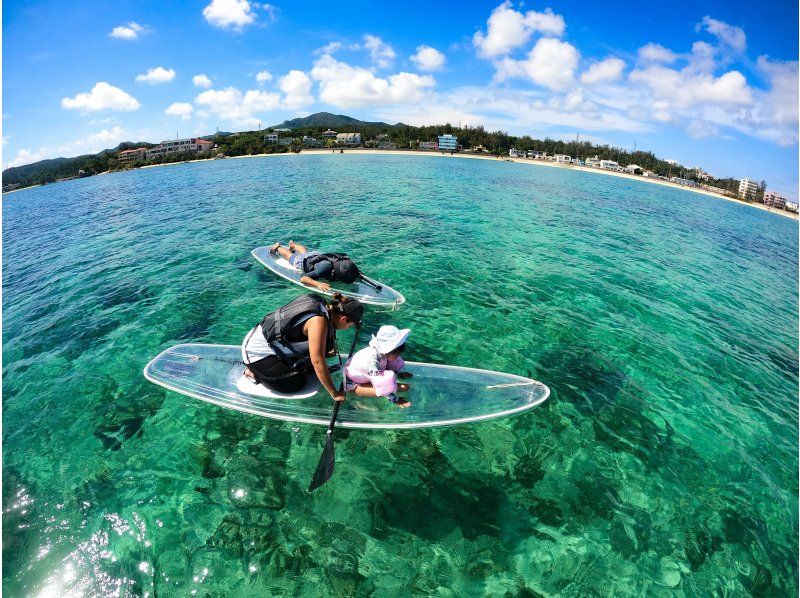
[
  {"x": 326, "y": 119},
  {"x": 45, "y": 171}
]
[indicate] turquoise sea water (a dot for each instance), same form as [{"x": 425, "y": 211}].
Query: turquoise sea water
[{"x": 665, "y": 323}]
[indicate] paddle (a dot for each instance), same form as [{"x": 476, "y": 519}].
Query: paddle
[
  {"x": 371, "y": 283},
  {"x": 326, "y": 461}
]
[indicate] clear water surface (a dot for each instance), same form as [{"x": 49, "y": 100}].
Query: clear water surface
[{"x": 666, "y": 324}]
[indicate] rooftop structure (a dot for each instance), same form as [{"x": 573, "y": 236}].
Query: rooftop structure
[{"x": 329, "y": 134}]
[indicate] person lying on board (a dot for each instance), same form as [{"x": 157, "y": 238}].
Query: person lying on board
[
  {"x": 373, "y": 371},
  {"x": 317, "y": 266},
  {"x": 292, "y": 342}
]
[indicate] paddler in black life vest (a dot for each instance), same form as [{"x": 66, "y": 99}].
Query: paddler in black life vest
[
  {"x": 317, "y": 266},
  {"x": 292, "y": 342}
]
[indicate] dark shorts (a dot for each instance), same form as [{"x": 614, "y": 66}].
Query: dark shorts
[{"x": 276, "y": 375}]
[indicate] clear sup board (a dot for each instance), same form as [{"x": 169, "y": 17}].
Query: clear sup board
[
  {"x": 441, "y": 395},
  {"x": 364, "y": 292}
]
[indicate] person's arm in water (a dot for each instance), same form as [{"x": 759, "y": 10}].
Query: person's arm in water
[
  {"x": 322, "y": 269},
  {"x": 317, "y": 331}
]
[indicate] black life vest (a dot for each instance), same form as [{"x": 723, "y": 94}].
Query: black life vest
[
  {"x": 283, "y": 330},
  {"x": 344, "y": 269}
]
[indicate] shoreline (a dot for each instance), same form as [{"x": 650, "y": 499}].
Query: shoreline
[{"x": 529, "y": 161}]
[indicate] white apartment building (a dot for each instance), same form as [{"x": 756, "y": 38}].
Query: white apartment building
[
  {"x": 175, "y": 146},
  {"x": 351, "y": 139},
  {"x": 270, "y": 138},
  {"x": 428, "y": 145},
  {"x": 448, "y": 142},
  {"x": 609, "y": 164},
  {"x": 747, "y": 188},
  {"x": 563, "y": 158}
]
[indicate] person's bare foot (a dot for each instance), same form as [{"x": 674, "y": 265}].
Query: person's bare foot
[
  {"x": 249, "y": 375},
  {"x": 403, "y": 387},
  {"x": 274, "y": 249},
  {"x": 403, "y": 403},
  {"x": 291, "y": 245}
]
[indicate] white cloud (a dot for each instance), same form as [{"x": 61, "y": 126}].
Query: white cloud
[
  {"x": 380, "y": 52},
  {"x": 428, "y": 59},
  {"x": 702, "y": 58},
  {"x": 656, "y": 53},
  {"x": 234, "y": 14},
  {"x": 240, "y": 110},
  {"x": 328, "y": 48},
  {"x": 156, "y": 75},
  {"x": 263, "y": 76},
  {"x": 182, "y": 109},
  {"x": 551, "y": 63},
  {"x": 130, "y": 31},
  {"x": 201, "y": 81},
  {"x": 509, "y": 29},
  {"x": 296, "y": 86},
  {"x": 604, "y": 71},
  {"x": 729, "y": 35},
  {"x": 90, "y": 144},
  {"x": 347, "y": 86},
  {"x": 684, "y": 89},
  {"x": 102, "y": 97},
  {"x": 701, "y": 129}
]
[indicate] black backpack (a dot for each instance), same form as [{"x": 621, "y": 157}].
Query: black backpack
[{"x": 344, "y": 269}]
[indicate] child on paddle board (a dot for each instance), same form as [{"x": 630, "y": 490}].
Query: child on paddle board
[
  {"x": 373, "y": 371},
  {"x": 318, "y": 267}
]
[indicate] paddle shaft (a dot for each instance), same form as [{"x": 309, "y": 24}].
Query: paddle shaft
[{"x": 325, "y": 466}]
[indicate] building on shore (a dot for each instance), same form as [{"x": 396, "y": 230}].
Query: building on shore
[
  {"x": 634, "y": 169},
  {"x": 515, "y": 153},
  {"x": 311, "y": 142},
  {"x": 270, "y": 138},
  {"x": 563, "y": 158},
  {"x": 593, "y": 162},
  {"x": 537, "y": 155},
  {"x": 132, "y": 155},
  {"x": 387, "y": 145},
  {"x": 773, "y": 198},
  {"x": 448, "y": 143},
  {"x": 607, "y": 164},
  {"x": 348, "y": 139},
  {"x": 177, "y": 146},
  {"x": 329, "y": 134},
  {"x": 747, "y": 189},
  {"x": 791, "y": 207},
  {"x": 428, "y": 145},
  {"x": 684, "y": 182}
]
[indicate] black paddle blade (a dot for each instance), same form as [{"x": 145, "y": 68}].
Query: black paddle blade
[{"x": 325, "y": 466}]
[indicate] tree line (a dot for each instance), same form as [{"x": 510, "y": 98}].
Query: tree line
[{"x": 404, "y": 136}]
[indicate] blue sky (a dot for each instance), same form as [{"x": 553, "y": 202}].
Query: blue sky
[{"x": 705, "y": 83}]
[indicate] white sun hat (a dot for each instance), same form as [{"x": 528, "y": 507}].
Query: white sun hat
[{"x": 389, "y": 338}]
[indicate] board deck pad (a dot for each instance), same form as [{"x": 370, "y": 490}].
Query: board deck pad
[
  {"x": 440, "y": 395},
  {"x": 358, "y": 290}
]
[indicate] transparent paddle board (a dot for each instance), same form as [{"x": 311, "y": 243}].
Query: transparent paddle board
[
  {"x": 441, "y": 395},
  {"x": 360, "y": 290}
]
